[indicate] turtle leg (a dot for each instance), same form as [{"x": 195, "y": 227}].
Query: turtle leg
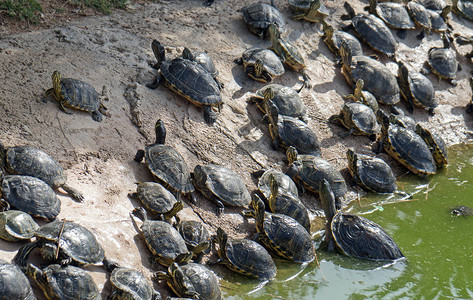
[
  {"x": 97, "y": 116},
  {"x": 298, "y": 17},
  {"x": 258, "y": 173},
  {"x": 421, "y": 35},
  {"x": 140, "y": 154},
  {"x": 401, "y": 33},
  {"x": 103, "y": 110},
  {"x": 410, "y": 106},
  {"x": 193, "y": 198},
  {"x": 23, "y": 253},
  {"x": 75, "y": 194},
  {"x": 219, "y": 84},
  {"x": 109, "y": 265},
  {"x": 220, "y": 206},
  {"x": 238, "y": 61},
  {"x": 37, "y": 275},
  {"x": 306, "y": 78},
  {"x": 209, "y": 115},
  {"x": 46, "y": 94},
  {"x": 63, "y": 107},
  {"x": 114, "y": 295},
  {"x": 453, "y": 82},
  {"x": 153, "y": 85},
  {"x": 469, "y": 108}
]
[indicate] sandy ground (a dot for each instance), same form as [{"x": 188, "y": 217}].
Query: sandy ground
[{"x": 114, "y": 51}]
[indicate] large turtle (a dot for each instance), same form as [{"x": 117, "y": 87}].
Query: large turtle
[
  {"x": 436, "y": 144},
  {"x": 372, "y": 31},
  {"x": 205, "y": 61},
  {"x": 191, "y": 280},
  {"x": 166, "y": 164},
  {"x": 334, "y": 38},
  {"x": 130, "y": 284},
  {"x": 395, "y": 15},
  {"x": 316, "y": 12},
  {"x": 64, "y": 282},
  {"x": 16, "y": 226},
  {"x": 244, "y": 256},
  {"x": 75, "y": 93},
  {"x": 280, "y": 233},
  {"x": 188, "y": 79},
  {"x": 358, "y": 118},
  {"x": 259, "y": 16},
  {"x": 197, "y": 238},
  {"x": 463, "y": 8},
  {"x": 421, "y": 17},
  {"x": 14, "y": 285},
  {"x": 353, "y": 235},
  {"x": 443, "y": 62},
  {"x": 365, "y": 97},
  {"x": 221, "y": 185},
  {"x": 31, "y": 161},
  {"x": 261, "y": 64}
]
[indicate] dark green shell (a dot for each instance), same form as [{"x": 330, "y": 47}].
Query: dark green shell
[
  {"x": 13, "y": 283},
  {"x": 373, "y": 174},
  {"x": 259, "y": 16},
  {"x": 203, "y": 280},
  {"x": 271, "y": 62},
  {"x": 131, "y": 283},
  {"x": 419, "y": 15},
  {"x": 286, "y": 99},
  {"x": 443, "y": 62},
  {"x": 296, "y": 133},
  {"x": 289, "y": 54},
  {"x": 438, "y": 23},
  {"x": 285, "y": 184},
  {"x": 155, "y": 197},
  {"x": 206, "y": 62},
  {"x": 16, "y": 226},
  {"x": 360, "y": 118},
  {"x": 193, "y": 233},
  {"x": 79, "y": 94},
  {"x": 31, "y": 195},
  {"x": 375, "y": 33},
  {"x": 421, "y": 90},
  {"x": 339, "y": 37},
  {"x": 394, "y": 15},
  {"x": 292, "y": 207}
]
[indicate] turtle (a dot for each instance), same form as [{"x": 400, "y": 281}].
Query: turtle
[
  {"x": 281, "y": 234},
  {"x": 75, "y": 93},
  {"x": 286, "y": 99},
  {"x": 64, "y": 282},
  {"x": 288, "y": 205},
  {"x": 421, "y": 17},
  {"x": 259, "y": 16},
  {"x": 416, "y": 89},
  {"x": 285, "y": 184},
  {"x": 288, "y": 131},
  {"x": 13, "y": 283},
  {"x": 358, "y": 118},
  {"x": 334, "y": 38},
  {"x": 300, "y": 6},
  {"x": 443, "y": 62},
  {"x": 436, "y": 144},
  {"x": 191, "y": 280},
  {"x": 16, "y": 225},
  {"x": 244, "y": 256},
  {"x": 461, "y": 211},
  {"x": 440, "y": 20},
  {"x": 371, "y": 173},
  {"x": 398, "y": 117},
  {"x": 166, "y": 164},
  {"x": 436, "y": 5},
  {"x": 261, "y": 64},
  {"x": 65, "y": 242},
  {"x": 288, "y": 53},
  {"x": 405, "y": 146},
  {"x": 354, "y": 235},
  {"x": 221, "y": 185},
  {"x": 188, "y": 79},
  {"x": 463, "y": 40},
  {"x": 361, "y": 96},
  {"x": 377, "y": 78},
  {"x": 130, "y": 284},
  {"x": 308, "y": 170},
  {"x": 463, "y": 8},
  {"x": 31, "y": 161},
  {"x": 395, "y": 16},
  {"x": 197, "y": 238},
  {"x": 372, "y": 31},
  {"x": 158, "y": 200},
  {"x": 315, "y": 13},
  {"x": 205, "y": 61}
]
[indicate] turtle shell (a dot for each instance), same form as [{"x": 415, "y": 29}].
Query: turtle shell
[
  {"x": 206, "y": 62},
  {"x": 443, "y": 62},
  {"x": 375, "y": 33},
  {"x": 27, "y": 160},
  {"x": 289, "y": 54},
  {"x": 13, "y": 283},
  {"x": 436, "y": 144},
  {"x": 155, "y": 197},
  {"x": 79, "y": 94},
  {"x": 286, "y": 99},
  {"x": 223, "y": 183},
  {"x": 361, "y": 238},
  {"x": 16, "y": 226},
  {"x": 370, "y": 100},
  {"x": 292, "y": 207},
  {"x": 419, "y": 15},
  {"x": 131, "y": 284},
  {"x": 168, "y": 166},
  {"x": 193, "y": 233},
  {"x": 436, "y": 5},
  {"x": 271, "y": 62},
  {"x": 31, "y": 195},
  {"x": 299, "y": 6},
  {"x": 250, "y": 258},
  {"x": 203, "y": 280},
  {"x": 422, "y": 91},
  {"x": 395, "y": 15},
  {"x": 403, "y": 121},
  {"x": 373, "y": 174},
  {"x": 438, "y": 23},
  {"x": 339, "y": 37},
  {"x": 285, "y": 184},
  {"x": 296, "y": 133},
  {"x": 259, "y": 16},
  {"x": 359, "y": 117},
  {"x": 464, "y": 8}
]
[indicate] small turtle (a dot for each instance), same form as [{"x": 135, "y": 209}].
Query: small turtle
[
  {"x": 66, "y": 242},
  {"x": 191, "y": 280},
  {"x": 285, "y": 184},
  {"x": 317, "y": 11},
  {"x": 372, "y": 31},
  {"x": 377, "y": 78},
  {"x": 395, "y": 15},
  {"x": 288, "y": 53},
  {"x": 64, "y": 282},
  {"x": 197, "y": 238},
  {"x": 259, "y": 16},
  {"x": 353, "y": 235},
  {"x": 371, "y": 173},
  {"x": 164, "y": 241},
  {"x": 261, "y": 64},
  {"x": 361, "y": 96},
  {"x": 440, "y": 20},
  {"x": 436, "y": 144},
  {"x": 287, "y": 131},
  {"x": 166, "y": 164},
  {"x": 205, "y": 61},
  {"x": 416, "y": 89},
  {"x": 461, "y": 211},
  {"x": 30, "y": 161},
  {"x": 358, "y": 118},
  {"x": 398, "y": 117},
  {"x": 16, "y": 226},
  {"x": 282, "y": 234},
  {"x": 244, "y": 256},
  {"x": 334, "y": 38},
  {"x": 443, "y": 62},
  {"x": 463, "y": 8},
  {"x": 405, "y": 146},
  {"x": 421, "y": 17},
  {"x": 436, "y": 5},
  {"x": 13, "y": 283},
  {"x": 308, "y": 170},
  {"x": 189, "y": 80},
  {"x": 286, "y": 99},
  {"x": 463, "y": 40},
  {"x": 131, "y": 284},
  {"x": 158, "y": 200},
  {"x": 221, "y": 185},
  {"x": 75, "y": 93}
]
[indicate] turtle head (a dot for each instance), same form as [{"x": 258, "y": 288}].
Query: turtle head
[
  {"x": 259, "y": 68},
  {"x": 349, "y": 9},
  {"x": 273, "y": 185},
  {"x": 35, "y": 273},
  {"x": 360, "y": 83},
  {"x": 314, "y": 5},
  {"x": 291, "y": 154},
  {"x": 160, "y": 130},
  {"x": 345, "y": 54},
  {"x": 259, "y": 208},
  {"x": 268, "y": 94},
  {"x": 273, "y": 112},
  {"x": 327, "y": 198},
  {"x": 445, "y": 11},
  {"x": 274, "y": 31},
  {"x": 177, "y": 207},
  {"x": 383, "y": 119},
  {"x": 446, "y": 40},
  {"x": 351, "y": 156},
  {"x": 187, "y": 54},
  {"x": 425, "y": 134},
  {"x": 199, "y": 177},
  {"x": 48, "y": 252},
  {"x": 159, "y": 52},
  {"x": 56, "y": 77},
  {"x": 403, "y": 72},
  {"x": 221, "y": 238},
  {"x": 373, "y": 4}
]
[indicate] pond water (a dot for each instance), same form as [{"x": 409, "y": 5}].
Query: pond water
[{"x": 438, "y": 247}]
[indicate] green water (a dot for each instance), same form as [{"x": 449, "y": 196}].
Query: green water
[{"x": 438, "y": 247}]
